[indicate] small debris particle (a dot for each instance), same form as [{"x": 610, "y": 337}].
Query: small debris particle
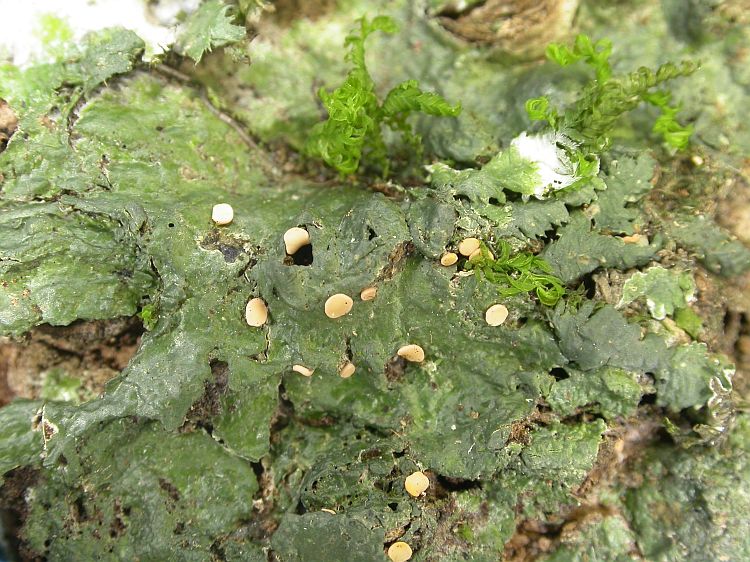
[
  {"x": 411, "y": 352},
  {"x": 416, "y": 483},
  {"x": 448, "y": 259},
  {"x": 256, "y": 312},
  {"x": 295, "y": 238},
  {"x": 468, "y": 246},
  {"x": 347, "y": 370},
  {"x": 496, "y": 314},
  {"x": 368, "y": 293},
  {"x": 302, "y": 370},
  {"x": 638, "y": 239},
  {"x": 222, "y": 213},
  {"x": 328, "y": 510},
  {"x": 399, "y": 552},
  {"x": 338, "y": 305}
]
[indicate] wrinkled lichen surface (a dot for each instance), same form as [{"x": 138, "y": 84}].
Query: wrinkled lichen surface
[{"x": 604, "y": 428}]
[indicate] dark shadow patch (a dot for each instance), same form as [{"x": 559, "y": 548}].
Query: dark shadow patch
[
  {"x": 303, "y": 256},
  {"x": 230, "y": 246},
  {"x": 15, "y": 510},
  {"x": 396, "y": 260},
  {"x": 170, "y": 489},
  {"x": 443, "y": 486},
  {"x": 118, "y": 526},
  {"x": 394, "y": 369},
  {"x": 589, "y": 285},
  {"x": 208, "y": 405}
]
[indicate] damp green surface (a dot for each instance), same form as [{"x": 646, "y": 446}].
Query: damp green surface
[{"x": 208, "y": 446}]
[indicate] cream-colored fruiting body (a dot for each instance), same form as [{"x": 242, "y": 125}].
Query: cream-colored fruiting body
[
  {"x": 302, "y": 370},
  {"x": 347, "y": 370},
  {"x": 637, "y": 239},
  {"x": 468, "y": 246},
  {"x": 368, "y": 293},
  {"x": 399, "y": 552},
  {"x": 448, "y": 259},
  {"x": 295, "y": 238},
  {"x": 338, "y": 305},
  {"x": 496, "y": 314},
  {"x": 411, "y": 352},
  {"x": 222, "y": 213},
  {"x": 416, "y": 483},
  {"x": 478, "y": 252},
  {"x": 256, "y": 312}
]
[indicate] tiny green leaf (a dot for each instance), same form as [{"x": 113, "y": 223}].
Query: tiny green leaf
[
  {"x": 209, "y": 27},
  {"x": 519, "y": 273}
]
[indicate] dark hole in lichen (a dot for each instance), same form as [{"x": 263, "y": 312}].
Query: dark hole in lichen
[
  {"x": 445, "y": 485},
  {"x": 394, "y": 369},
  {"x": 230, "y": 247},
  {"x": 170, "y": 489},
  {"x": 118, "y": 526},
  {"x": 371, "y": 454},
  {"x": 209, "y": 404},
  {"x": 589, "y": 285},
  {"x": 303, "y": 256},
  {"x": 217, "y": 551},
  {"x": 15, "y": 510},
  {"x": 559, "y": 373},
  {"x": 79, "y": 512},
  {"x": 371, "y": 234}
]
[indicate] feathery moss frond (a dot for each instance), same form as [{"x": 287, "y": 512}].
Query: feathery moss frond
[
  {"x": 604, "y": 99},
  {"x": 355, "y": 117}
]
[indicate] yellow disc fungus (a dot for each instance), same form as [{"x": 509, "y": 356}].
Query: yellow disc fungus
[
  {"x": 295, "y": 238},
  {"x": 256, "y": 312},
  {"x": 338, "y": 305},
  {"x": 368, "y": 293},
  {"x": 399, "y": 552},
  {"x": 222, "y": 213},
  {"x": 448, "y": 259},
  {"x": 416, "y": 483},
  {"x": 302, "y": 370},
  {"x": 411, "y": 352},
  {"x": 468, "y": 246},
  {"x": 347, "y": 370},
  {"x": 496, "y": 314}
]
